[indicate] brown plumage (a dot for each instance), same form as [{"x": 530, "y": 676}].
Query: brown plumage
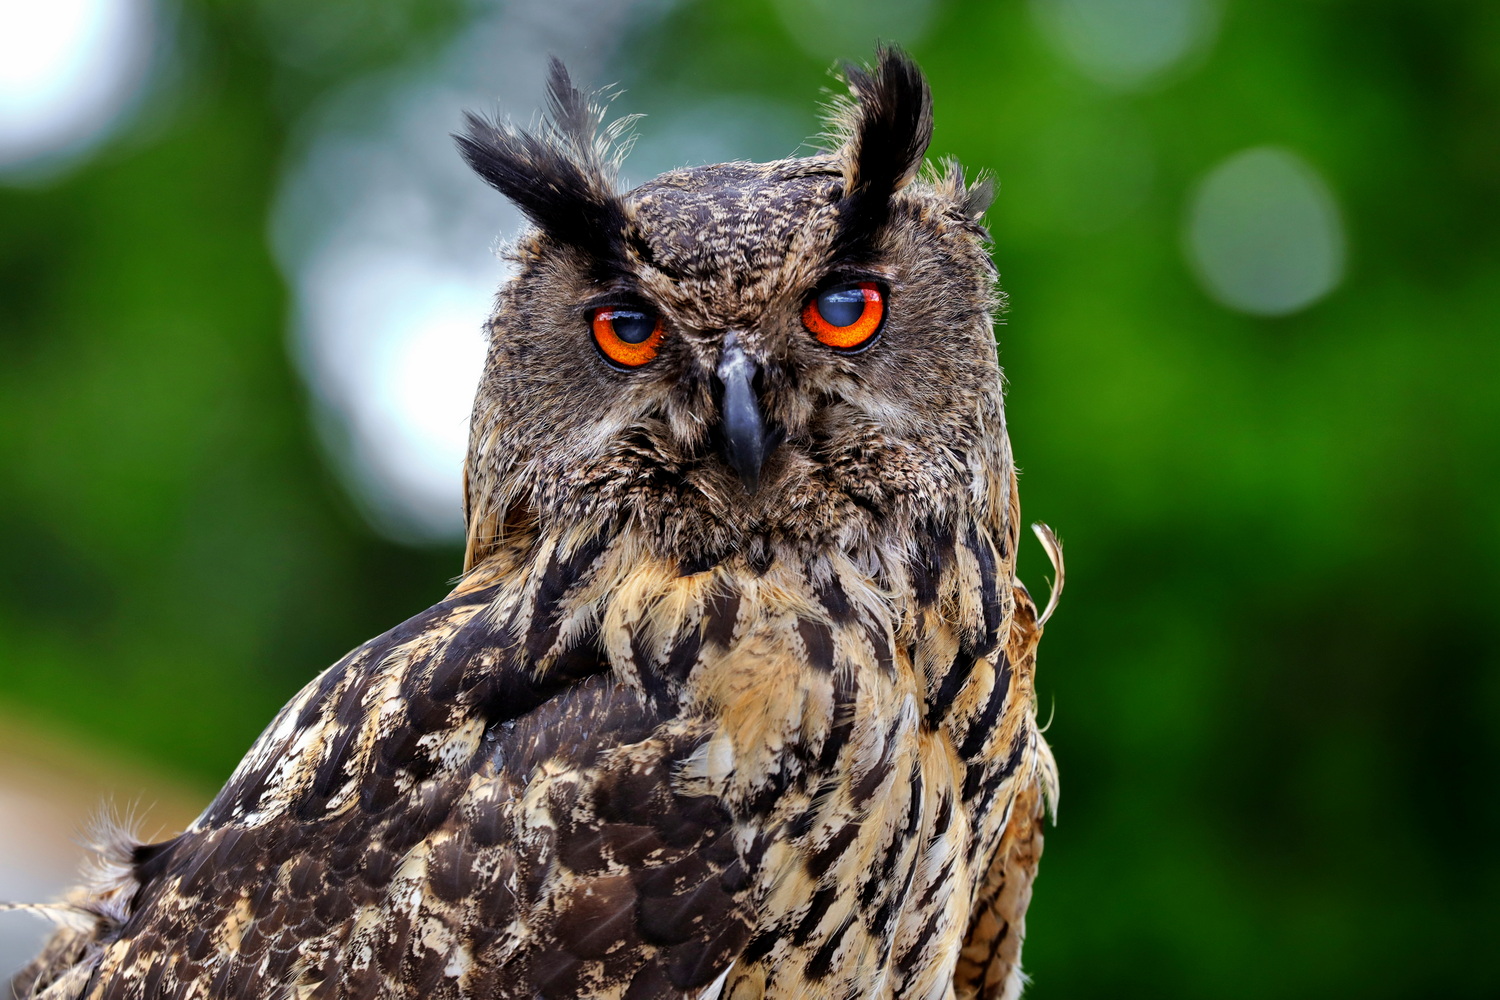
[{"x": 735, "y": 697}]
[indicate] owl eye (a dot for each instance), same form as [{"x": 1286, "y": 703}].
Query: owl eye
[
  {"x": 846, "y": 317},
  {"x": 627, "y": 337}
]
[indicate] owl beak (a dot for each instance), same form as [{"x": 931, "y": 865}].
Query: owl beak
[{"x": 743, "y": 429}]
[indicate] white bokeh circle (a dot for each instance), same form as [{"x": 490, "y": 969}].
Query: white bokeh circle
[
  {"x": 1127, "y": 44},
  {"x": 69, "y": 69},
  {"x": 1264, "y": 234}
]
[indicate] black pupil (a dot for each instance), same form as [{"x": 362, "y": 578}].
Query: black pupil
[
  {"x": 842, "y": 306},
  {"x": 631, "y": 326}
]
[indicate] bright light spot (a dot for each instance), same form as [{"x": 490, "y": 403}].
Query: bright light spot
[
  {"x": 387, "y": 241},
  {"x": 68, "y": 69},
  {"x": 387, "y": 238},
  {"x": 427, "y": 379},
  {"x": 849, "y": 29},
  {"x": 1264, "y": 234},
  {"x": 1126, "y": 43},
  {"x": 398, "y": 354}
]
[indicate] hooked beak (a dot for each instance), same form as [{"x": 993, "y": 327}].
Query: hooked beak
[{"x": 745, "y": 441}]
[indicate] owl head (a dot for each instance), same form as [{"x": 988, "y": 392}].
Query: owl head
[{"x": 742, "y": 358}]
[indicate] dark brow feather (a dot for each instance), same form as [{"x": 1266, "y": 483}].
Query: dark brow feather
[
  {"x": 885, "y": 126},
  {"x": 560, "y": 174}
]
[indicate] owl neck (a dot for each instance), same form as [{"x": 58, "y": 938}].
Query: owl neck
[{"x": 936, "y": 593}]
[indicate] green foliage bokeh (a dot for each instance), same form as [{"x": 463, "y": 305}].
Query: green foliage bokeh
[{"x": 1274, "y": 672}]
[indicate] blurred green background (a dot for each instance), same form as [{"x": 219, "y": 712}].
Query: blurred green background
[{"x": 1253, "y": 254}]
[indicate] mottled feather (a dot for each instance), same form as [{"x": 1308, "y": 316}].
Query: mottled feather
[{"x": 672, "y": 735}]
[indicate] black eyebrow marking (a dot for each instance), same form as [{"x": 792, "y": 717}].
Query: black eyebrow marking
[
  {"x": 887, "y": 126},
  {"x": 561, "y": 174}
]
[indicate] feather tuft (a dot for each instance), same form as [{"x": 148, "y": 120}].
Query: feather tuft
[
  {"x": 62, "y": 915},
  {"x": 883, "y": 129},
  {"x": 1053, "y": 547},
  {"x": 561, "y": 172}
]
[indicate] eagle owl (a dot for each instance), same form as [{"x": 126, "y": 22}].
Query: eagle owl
[{"x": 734, "y": 698}]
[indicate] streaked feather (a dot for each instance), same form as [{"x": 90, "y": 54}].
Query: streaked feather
[{"x": 668, "y": 737}]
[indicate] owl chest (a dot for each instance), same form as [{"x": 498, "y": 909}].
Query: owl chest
[
  {"x": 849, "y": 793},
  {"x": 865, "y": 894},
  {"x": 866, "y": 859}
]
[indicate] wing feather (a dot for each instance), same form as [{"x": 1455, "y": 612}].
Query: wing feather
[
  {"x": 457, "y": 808},
  {"x": 989, "y": 964}
]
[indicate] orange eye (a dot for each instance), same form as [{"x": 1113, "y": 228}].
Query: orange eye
[
  {"x": 847, "y": 316},
  {"x": 627, "y": 337}
]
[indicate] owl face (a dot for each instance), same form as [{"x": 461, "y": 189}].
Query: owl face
[{"x": 740, "y": 356}]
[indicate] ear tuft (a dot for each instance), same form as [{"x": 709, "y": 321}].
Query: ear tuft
[
  {"x": 884, "y": 128},
  {"x": 568, "y": 108},
  {"x": 561, "y": 173},
  {"x": 979, "y": 196}
]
